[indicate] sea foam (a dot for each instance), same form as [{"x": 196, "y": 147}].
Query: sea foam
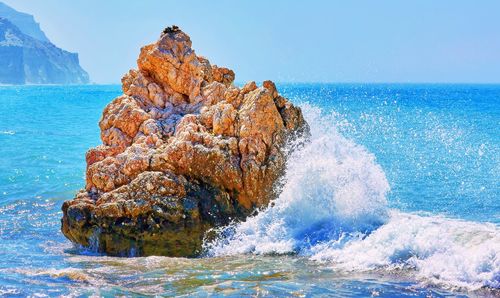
[{"x": 333, "y": 209}]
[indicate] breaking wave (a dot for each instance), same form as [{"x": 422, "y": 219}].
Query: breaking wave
[{"x": 333, "y": 210}]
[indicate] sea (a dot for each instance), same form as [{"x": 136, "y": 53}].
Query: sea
[{"x": 395, "y": 194}]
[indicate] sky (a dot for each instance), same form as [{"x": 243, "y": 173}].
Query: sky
[{"x": 412, "y": 41}]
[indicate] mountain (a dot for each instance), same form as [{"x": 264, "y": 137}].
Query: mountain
[
  {"x": 25, "y": 22},
  {"x": 28, "y": 57}
]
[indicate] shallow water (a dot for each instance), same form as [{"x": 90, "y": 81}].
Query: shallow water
[{"x": 396, "y": 195}]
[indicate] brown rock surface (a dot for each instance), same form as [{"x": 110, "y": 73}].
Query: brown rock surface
[{"x": 183, "y": 151}]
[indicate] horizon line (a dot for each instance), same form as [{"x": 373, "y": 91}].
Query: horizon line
[{"x": 284, "y": 82}]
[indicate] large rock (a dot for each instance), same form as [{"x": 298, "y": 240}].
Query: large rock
[{"x": 183, "y": 151}]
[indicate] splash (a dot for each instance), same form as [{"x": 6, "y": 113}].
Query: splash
[
  {"x": 439, "y": 251},
  {"x": 333, "y": 189},
  {"x": 333, "y": 209}
]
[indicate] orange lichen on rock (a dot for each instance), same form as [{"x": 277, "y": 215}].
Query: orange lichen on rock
[{"x": 184, "y": 150}]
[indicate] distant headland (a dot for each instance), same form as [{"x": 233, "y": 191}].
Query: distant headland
[{"x": 28, "y": 57}]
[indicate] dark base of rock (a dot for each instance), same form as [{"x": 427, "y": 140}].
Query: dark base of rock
[
  {"x": 185, "y": 242},
  {"x": 147, "y": 217}
]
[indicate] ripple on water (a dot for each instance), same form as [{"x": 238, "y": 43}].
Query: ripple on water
[{"x": 437, "y": 145}]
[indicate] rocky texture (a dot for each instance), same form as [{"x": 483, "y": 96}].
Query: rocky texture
[
  {"x": 183, "y": 151},
  {"x": 28, "y": 57}
]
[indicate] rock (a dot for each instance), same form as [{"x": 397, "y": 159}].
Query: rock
[
  {"x": 28, "y": 60},
  {"x": 183, "y": 151}
]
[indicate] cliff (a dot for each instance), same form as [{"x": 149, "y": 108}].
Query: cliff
[
  {"x": 25, "y": 59},
  {"x": 184, "y": 150},
  {"x": 25, "y": 22}
]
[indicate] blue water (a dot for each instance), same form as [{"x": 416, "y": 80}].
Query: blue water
[{"x": 418, "y": 192}]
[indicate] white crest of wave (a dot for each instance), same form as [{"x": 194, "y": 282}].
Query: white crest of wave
[
  {"x": 332, "y": 187},
  {"x": 445, "y": 252},
  {"x": 333, "y": 209}
]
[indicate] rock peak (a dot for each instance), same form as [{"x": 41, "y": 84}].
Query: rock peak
[
  {"x": 184, "y": 150},
  {"x": 171, "y": 29}
]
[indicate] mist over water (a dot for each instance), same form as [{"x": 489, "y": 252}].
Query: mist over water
[{"x": 396, "y": 194}]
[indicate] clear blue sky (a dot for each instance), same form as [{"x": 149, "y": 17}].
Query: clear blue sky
[{"x": 300, "y": 41}]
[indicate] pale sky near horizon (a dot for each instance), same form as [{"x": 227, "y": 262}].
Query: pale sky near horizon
[{"x": 288, "y": 41}]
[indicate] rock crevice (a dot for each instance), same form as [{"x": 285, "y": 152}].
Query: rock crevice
[{"x": 184, "y": 150}]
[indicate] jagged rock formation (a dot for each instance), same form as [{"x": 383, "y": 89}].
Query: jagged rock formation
[
  {"x": 183, "y": 151},
  {"x": 28, "y": 57}
]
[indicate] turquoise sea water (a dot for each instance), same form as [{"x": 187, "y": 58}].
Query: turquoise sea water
[{"x": 397, "y": 194}]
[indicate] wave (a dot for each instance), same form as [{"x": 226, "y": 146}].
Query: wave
[
  {"x": 7, "y": 132},
  {"x": 444, "y": 252},
  {"x": 333, "y": 210}
]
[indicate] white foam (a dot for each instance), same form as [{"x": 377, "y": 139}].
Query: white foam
[
  {"x": 441, "y": 251},
  {"x": 333, "y": 209},
  {"x": 332, "y": 186}
]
